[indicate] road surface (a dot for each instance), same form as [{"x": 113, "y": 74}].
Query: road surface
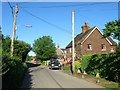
[{"x": 42, "y": 77}]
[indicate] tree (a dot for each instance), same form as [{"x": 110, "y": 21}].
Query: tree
[
  {"x": 112, "y": 29},
  {"x": 21, "y": 48},
  {"x": 44, "y": 48}
]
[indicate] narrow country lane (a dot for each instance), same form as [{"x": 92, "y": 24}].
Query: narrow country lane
[{"x": 42, "y": 77}]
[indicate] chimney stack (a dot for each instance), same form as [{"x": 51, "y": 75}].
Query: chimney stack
[
  {"x": 58, "y": 46},
  {"x": 85, "y": 27}
]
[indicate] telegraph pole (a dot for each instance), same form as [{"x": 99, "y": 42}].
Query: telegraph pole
[
  {"x": 73, "y": 52},
  {"x": 13, "y": 29}
]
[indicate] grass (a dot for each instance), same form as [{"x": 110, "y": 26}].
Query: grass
[
  {"x": 66, "y": 67},
  {"x": 112, "y": 87}
]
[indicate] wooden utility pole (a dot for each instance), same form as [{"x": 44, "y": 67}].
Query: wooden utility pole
[
  {"x": 13, "y": 29},
  {"x": 73, "y": 52}
]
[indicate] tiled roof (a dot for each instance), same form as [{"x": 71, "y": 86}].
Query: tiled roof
[{"x": 80, "y": 37}]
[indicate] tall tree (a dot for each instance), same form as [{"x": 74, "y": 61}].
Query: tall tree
[
  {"x": 44, "y": 48},
  {"x": 21, "y": 48},
  {"x": 112, "y": 29}
]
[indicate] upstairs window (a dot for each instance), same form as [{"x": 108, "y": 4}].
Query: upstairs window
[
  {"x": 89, "y": 47},
  {"x": 103, "y": 47}
]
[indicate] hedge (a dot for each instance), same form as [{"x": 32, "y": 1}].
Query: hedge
[
  {"x": 14, "y": 76},
  {"x": 107, "y": 65}
]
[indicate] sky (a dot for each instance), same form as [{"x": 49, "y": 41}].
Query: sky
[{"x": 54, "y": 19}]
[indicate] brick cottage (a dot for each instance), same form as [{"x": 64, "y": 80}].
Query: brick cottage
[{"x": 91, "y": 41}]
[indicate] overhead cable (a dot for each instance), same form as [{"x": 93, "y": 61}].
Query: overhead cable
[{"x": 58, "y": 27}]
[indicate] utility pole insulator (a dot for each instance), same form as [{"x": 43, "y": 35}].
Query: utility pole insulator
[{"x": 16, "y": 9}]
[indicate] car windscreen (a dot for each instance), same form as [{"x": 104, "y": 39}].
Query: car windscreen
[{"x": 54, "y": 61}]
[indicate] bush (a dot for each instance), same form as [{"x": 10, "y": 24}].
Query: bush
[
  {"x": 77, "y": 65},
  {"x": 15, "y": 75},
  {"x": 107, "y": 65},
  {"x": 84, "y": 61}
]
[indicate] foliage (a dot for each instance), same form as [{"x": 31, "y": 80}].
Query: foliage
[
  {"x": 118, "y": 49},
  {"x": 105, "y": 64},
  {"x": 6, "y": 44},
  {"x": 111, "y": 61},
  {"x": 21, "y": 48},
  {"x": 0, "y": 44},
  {"x": 84, "y": 62},
  {"x": 1, "y": 51},
  {"x": 13, "y": 68},
  {"x": 15, "y": 74},
  {"x": 112, "y": 29},
  {"x": 77, "y": 65},
  {"x": 29, "y": 58},
  {"x": 44, "y": 48},
  {"x": 66, "y": 67}
]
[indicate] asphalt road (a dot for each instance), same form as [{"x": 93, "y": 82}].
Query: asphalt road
[{"x": 42, "y": 77}]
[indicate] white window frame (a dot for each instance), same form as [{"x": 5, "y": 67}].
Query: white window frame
[
  {"x": 89, "y": 46},
  {"x": 103, "y": 47}
]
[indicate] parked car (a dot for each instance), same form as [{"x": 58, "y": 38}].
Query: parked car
[{"x": 54, "y": 63}]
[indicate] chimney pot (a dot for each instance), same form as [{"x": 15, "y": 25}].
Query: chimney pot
[
  {"x": 85, "y": 27},
  {"x": 58, "y": 46}
]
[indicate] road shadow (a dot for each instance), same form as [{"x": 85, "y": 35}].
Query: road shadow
[
  {"x": 29, "y": 64},
  {"x": 28, "y": 82},
  {"x": 55, "y": 69}
]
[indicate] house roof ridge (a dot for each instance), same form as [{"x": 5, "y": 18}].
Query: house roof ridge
[{"x": 80, "y": 36}]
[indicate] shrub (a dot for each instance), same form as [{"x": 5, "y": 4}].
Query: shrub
[
  {"x": 105, "y": 64},
  {"x": 77, "y": 65},
  {"x": 17, "y": 69},
  {"x": 84, "y": 62}
]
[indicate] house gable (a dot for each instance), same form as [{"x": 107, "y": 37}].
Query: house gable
[
  {"x": 79, "y": 38},
  {"x": 96, "y": 28}
]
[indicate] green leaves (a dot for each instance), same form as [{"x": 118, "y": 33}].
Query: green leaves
[
  {"x": 84, "y": 62},
  {"x": 105, "y": 64},
  {"x": 112, "y": 29},
  {"x": 44, "y": 48},
  {"x": 21, "y": 49}
]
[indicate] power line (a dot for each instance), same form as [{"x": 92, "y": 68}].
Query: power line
[
  {"x": 10, "y": 7},
  {"x": 60, "y": 28},
  {"x": 22, "y": 3},
  {"x": 80, "y": 5},
  {"x": 51, "y": 24},
  {"x": 107, "y": 9}
]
